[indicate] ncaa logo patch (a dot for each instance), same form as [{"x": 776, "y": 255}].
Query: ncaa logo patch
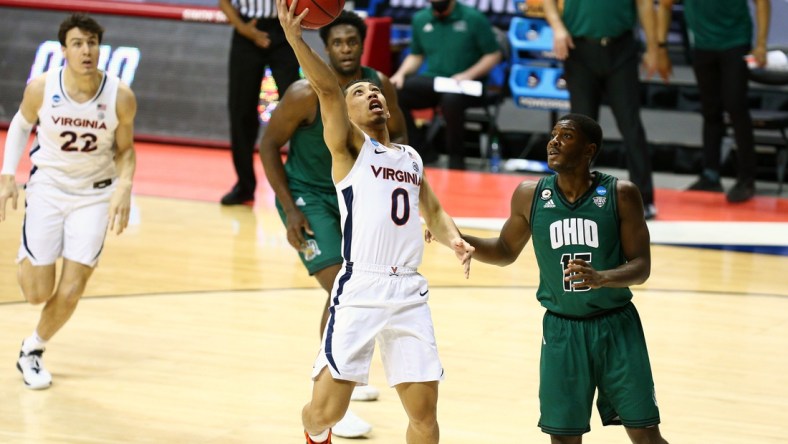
[
  {"x": 310, "y": 250},
  {"x": 601, "y": 190},
  {"x": 415, "y": 167}
]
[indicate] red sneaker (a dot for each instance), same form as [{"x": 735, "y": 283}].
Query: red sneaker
[{"x": 309, "y": 441}]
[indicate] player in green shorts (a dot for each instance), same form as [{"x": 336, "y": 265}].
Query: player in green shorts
[
  {"x": 591, "y": 243},
  {"x": 305, "y": 193}
]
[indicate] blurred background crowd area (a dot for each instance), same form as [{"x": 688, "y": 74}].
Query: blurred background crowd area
[{"x": 178, "y": 69}]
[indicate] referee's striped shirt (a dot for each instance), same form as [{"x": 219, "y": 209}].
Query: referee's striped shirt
[{"x": 252, "y": 9}]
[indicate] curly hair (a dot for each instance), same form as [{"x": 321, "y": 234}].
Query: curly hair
[{"x": 345, "y": 18}]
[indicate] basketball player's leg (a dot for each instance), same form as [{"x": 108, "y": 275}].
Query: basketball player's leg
[
  {"x": 41, "y": 246},
  {"x": 626, "y": 386},
  {"x": 410, "y": 358},
  {"x": 350, "y": 425},
  {"x": 330, "y": 401},
  {"x": 84, "y": 230},
  {"x": 648, "y": 435},
  {"x": 36, "y": 281},
  {"x": 325, "y": 278},
  {"x": 321, "y": 254},
  {"x": 41, "y": 242},
  {"x": 420, "y": 400},
  {"x": 61, "y": 306}
]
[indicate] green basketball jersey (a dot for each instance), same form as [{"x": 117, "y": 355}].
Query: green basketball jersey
[
  {"x": 718, "y": 25},
  {"x": 308, "y": 158},
  {"x": 597, "y": 19},
  {"x": 587, "y": 229}
]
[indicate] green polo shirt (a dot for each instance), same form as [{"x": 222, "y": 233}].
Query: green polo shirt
[
  {"x": 599, "y": 18},
  {"x": 718, "y": 24},
  {"x": 454, "y": 43}
]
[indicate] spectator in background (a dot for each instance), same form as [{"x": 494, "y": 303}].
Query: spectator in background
[
  {"x": 257, "y": 42},
  {"x": 455, "y": 41},
  {"x": 596, "y": 41},
  {"x": 720, "y": 37}
]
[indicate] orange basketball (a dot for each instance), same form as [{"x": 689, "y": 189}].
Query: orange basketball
[{"x": 321, "y": 12}]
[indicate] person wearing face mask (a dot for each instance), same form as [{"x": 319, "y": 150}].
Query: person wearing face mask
[{"x": 455, "y": 41}]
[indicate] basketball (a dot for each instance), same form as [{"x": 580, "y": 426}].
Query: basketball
[{"x": 321, "y": 12}]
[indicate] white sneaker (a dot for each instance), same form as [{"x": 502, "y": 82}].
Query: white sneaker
[
  {"x": 364, "y": 393},
  {"x": 351, "y": 426},
  {"x": 31, "y": 365}
]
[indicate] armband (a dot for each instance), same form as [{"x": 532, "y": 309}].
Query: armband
[{"x": 15, "y": 143}]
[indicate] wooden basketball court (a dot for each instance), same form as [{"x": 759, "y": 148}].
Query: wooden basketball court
[{"x": 200, "y": 326}]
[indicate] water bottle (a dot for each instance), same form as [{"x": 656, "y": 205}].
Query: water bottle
[{"x": 495, "y": 156}]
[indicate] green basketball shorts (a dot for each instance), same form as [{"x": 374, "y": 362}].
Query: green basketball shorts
[{"x": 606, "y": 354}]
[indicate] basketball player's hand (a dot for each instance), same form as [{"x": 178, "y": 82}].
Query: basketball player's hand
[
  {"x": 463, "y": 250},
  {"x": 428, "y": 237},
  {"x": 250, "y": 31},
  {"x": 120, "y": 208},
  {"x": 581, "y": 274},
  {"x": 291, "y": 23},
  {"x": 8, "y": 190},
  {"x": 297, "y": 225}
]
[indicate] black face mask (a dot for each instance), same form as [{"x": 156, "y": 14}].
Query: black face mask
[{"x": 440, "y": 6}]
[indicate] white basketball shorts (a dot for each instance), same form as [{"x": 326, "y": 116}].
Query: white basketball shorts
[
  {"x": 60, "y": 224},
  {"x": 384, "y": 306}
]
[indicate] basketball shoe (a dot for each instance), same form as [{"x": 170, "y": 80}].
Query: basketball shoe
[
  {"x": 309, "y": 441},
  {"x": 31, "y": 365},
  {"x": 351, "y": 426},
  {"x": 364, "y": 393}
]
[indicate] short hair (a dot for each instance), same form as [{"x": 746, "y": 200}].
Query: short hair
[
  {"x": 345, "y": 18},
  {"x": 81, "y": 21},
  {"x": 353, "y": 82},
  {"x": 589, "y": 127}
]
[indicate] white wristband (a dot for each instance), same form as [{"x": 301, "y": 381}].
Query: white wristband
[{"x": 15, "y": 143}]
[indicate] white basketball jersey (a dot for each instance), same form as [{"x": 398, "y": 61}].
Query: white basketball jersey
[
  {"x": 74, "y": 146},
  {"x": 379, "y": 205}
]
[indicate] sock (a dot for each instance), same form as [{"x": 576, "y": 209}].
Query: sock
[
  {"x": 317, "y": 439},
  {"x": 33, "y": 342},
  {"x": 712, "y": 175}
]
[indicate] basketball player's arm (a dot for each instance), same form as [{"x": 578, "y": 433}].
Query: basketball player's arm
[
  {"x": 635, "y": 243},
  {"x": 125, "y": 160},
  {"x": 516, "y": 231},
  {"x": 295, "y": 109},
  {"x": 343, "y": 138},
  {"x": 16, "y": 141},
  {"x": 562, "y": 40},
  {"x": 442, "y": 226},
  {"x": 398, "y": 132}
]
